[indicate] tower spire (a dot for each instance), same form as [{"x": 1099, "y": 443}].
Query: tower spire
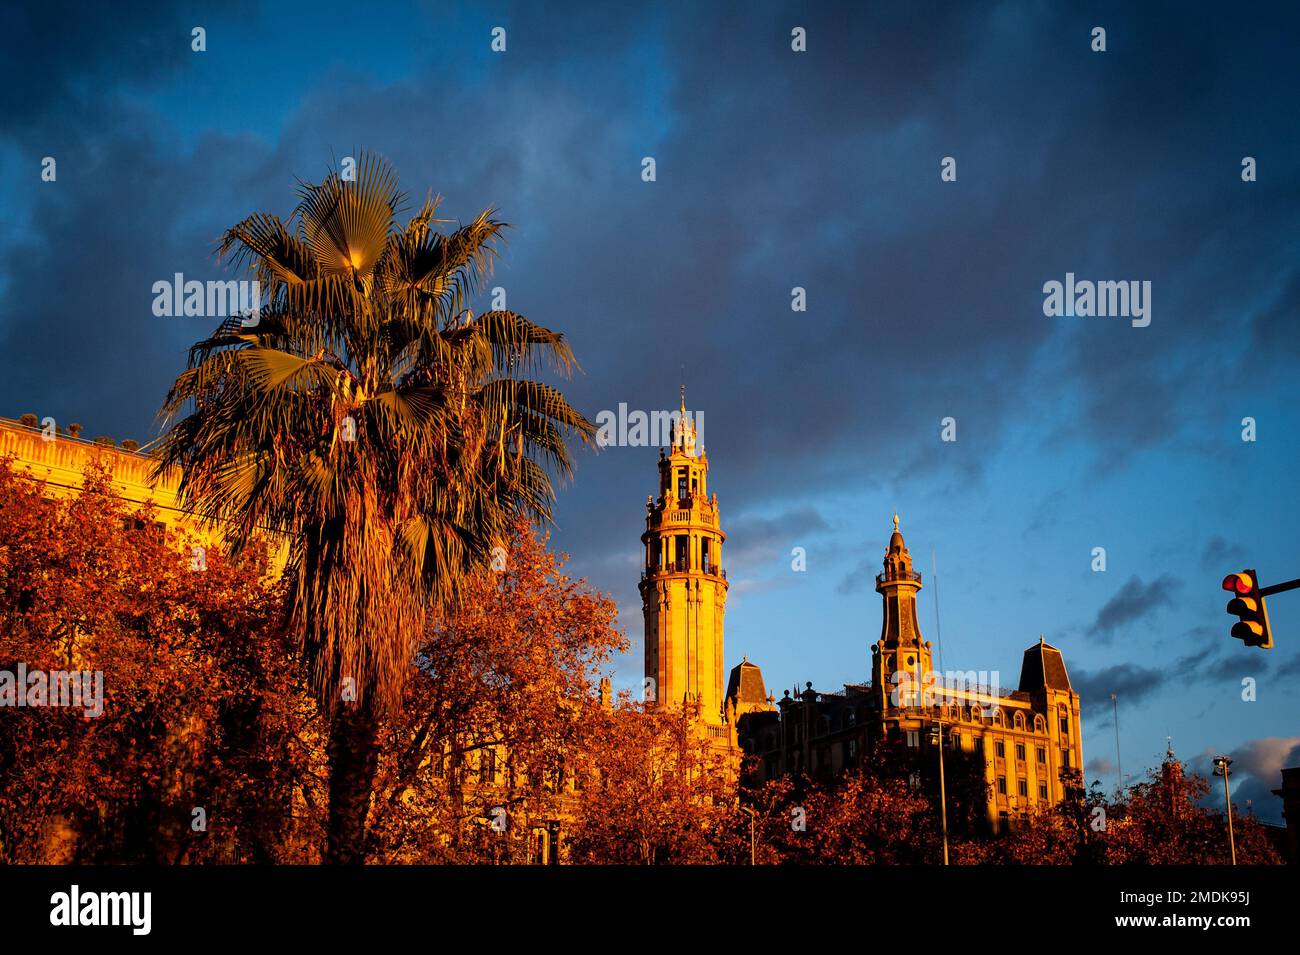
[
  {"x": 901, "y": 647},
  {"x": 683, "y": 587}
]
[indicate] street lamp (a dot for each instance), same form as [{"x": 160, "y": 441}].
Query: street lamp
[
  {"x": 752, "y": 816},
  {"x": 936, "y": 737},
  {"x": 1221, "y": 764}
]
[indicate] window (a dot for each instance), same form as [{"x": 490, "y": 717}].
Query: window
[
  {"x": 487, "y": 765},
  {"x": 683, "y": 553},
  {"x": 1042, "y": 755},
  {"x": 1020, "y": 752},
  {"x": 914, "y": 738},
  {"x": 1024, "y": 789},
  {"x": 704, "y": 556},
  {"x": 1000, "y": 749},
  {"x": 850, "y": 750},
  {"x": 1065, "y": 725},
  {"x": 681, "y": 483},
  {"x": 956, "y": 741},
  {"x": 1002, "y": 785},
  {"x": 1042, "y": 791}
]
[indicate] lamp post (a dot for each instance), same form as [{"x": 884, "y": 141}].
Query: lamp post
[
  {"x": 752, "y": 816},
  {"x": 1221, "y": 764},
  {"x": 936, "y": 736}
]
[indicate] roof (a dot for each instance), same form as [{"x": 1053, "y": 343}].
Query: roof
[
  {"x": 746, "y": 684},
  {"x": 1043, "y": 666}
]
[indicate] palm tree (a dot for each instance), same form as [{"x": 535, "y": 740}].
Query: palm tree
[{"x": 371, "y": 420}]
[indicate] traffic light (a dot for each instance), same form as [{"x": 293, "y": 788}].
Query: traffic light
[{"x": 1248, "y": 605}]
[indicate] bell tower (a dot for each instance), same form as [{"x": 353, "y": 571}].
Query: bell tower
[
  {"x": 683, "y": 586},
  {"x": 900, "y": 648}
]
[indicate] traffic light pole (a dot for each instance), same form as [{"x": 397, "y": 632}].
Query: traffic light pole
[{"x": 1279, "y": 588}]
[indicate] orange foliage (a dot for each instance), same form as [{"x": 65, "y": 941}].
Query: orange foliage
[{"x": 204, "y": 747}]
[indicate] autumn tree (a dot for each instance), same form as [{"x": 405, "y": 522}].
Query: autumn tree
[
  {"x": 204, "y": 749},
  {"x": 1162, "y": 821},
  {"x": 660, "y": 791},
  {"x": 499, "y": 714}
]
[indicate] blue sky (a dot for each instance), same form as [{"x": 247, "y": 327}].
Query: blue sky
[{"x": 776, "y": 169}]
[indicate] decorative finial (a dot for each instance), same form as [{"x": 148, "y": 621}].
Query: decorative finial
[
  {"x": 895, "y": 522},
  {"x": 683, "y": 398},
  {"x": 1041, "y": 641}
]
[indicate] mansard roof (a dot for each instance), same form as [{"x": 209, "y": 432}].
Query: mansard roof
[
  {"x": 746, "y": 684},
  {"x": 1043, "y": 667}
]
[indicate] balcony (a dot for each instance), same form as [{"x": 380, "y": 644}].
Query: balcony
[
  {"x": 902, "y": 575},
  {"x": 681, "y": 568}
]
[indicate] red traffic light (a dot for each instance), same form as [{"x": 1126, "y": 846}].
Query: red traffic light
[
  {"x": 1247, "y": 605},
  {"x": 1242, "y": 583}
]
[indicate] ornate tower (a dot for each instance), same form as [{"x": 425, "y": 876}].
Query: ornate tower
[
  {"x": 900, "y": 648},
  {"x": 683, "y": 586}
]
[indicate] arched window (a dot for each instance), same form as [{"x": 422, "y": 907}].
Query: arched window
[{"x": 1020, "y": 721}]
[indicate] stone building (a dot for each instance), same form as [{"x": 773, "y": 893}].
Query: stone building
[{"x": 1029, "y": 736}]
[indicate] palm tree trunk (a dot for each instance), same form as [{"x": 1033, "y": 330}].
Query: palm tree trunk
[{"x": 353, "y": 760}]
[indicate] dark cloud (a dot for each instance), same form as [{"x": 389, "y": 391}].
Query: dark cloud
[
  {"x": 775, "y": 170},
  {"x": 1100, "y": 765},
  {"x": 1258, "y": 767},
  {"x": 1256, "y": 771},
  {"x": 59, "y": 55},
  {"x": 772, "y": 173},
  {"x": 1132, "y": 682},
  {"x": 860, "y": 578},
  {"x": 1221, "y": 555},
  {"x": 1135, "y": 602},
  {"x": 763, "y": 539}
]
